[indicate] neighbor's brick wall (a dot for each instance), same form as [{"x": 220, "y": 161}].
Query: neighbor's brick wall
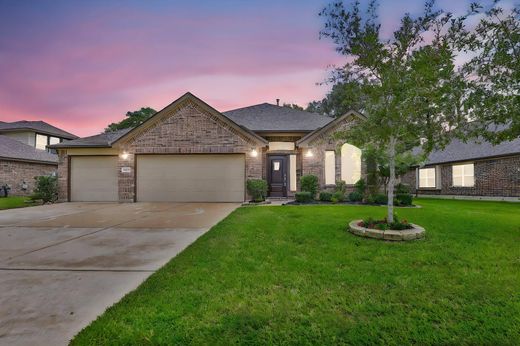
[
  {"x": 316, "y": 164},
  {"x": 499, "y": 177},
  {"x": 187, "y": 130},
  {"x": 14, "y": 173}
]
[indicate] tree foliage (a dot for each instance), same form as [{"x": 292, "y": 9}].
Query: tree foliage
[
  {"x": 408, "y": 83},
  {"x": 132, "y": 119},
  {"x": 493, "y": 71}
]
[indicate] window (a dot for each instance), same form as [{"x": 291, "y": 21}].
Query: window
[
  {"x": 463, "y": 175},
  {"x": 330, "y": 168},
  {"x": 350, "y": 163},
  {"x": 427, "y": 177},
  {"x": 292, "y": 172},
  {"x": 41, "y": 141},
  {"x": 53, "y": 140}
]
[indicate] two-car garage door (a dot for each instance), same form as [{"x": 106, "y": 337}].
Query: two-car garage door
[
  {"x": 190, "y": 178},
  {"x": 162, "y": 178}
]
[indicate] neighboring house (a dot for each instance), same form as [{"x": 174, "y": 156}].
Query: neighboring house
[
  {"x": 24, "y": 154},
  {"x": 189, "y": 151},
  {"x": 20, "y": 163},
  {"x": 469, "y": 169},
  {"x": 37, "y": 134}
]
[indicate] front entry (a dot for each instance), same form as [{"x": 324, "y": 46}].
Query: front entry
[{"x": 277, "y": 176}]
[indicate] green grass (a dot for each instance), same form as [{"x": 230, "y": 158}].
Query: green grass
[
  {"x": 293, "y": 275},
  {"x": 13, "y": 202}
]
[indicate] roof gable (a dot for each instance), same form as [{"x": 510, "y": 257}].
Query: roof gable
[
  {"x": 330, "y": 127},
  {"x": 181, "y": 102}
]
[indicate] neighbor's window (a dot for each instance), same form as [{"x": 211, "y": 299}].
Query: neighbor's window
[
  {"x": 53, "y": 140},
  {"x": 463, "y": 175},
  {"x": 330, "y": 168},
  {"x": 350, "y": 163},
  {"x": 41, "y": 141},
  {"x": 427, "y": 177}
]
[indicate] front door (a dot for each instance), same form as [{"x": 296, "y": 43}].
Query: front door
[{"x": 277, "y": 176}]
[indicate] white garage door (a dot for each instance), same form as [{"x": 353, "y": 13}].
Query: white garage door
[
  {"x": 93, "y": 179},
  {"x": 190, "y": 178}
]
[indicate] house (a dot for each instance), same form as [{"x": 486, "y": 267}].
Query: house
[
  {"x": 191, "y": 152},
  {"x": 474, "y": 168},
  {"x": 24, "y": 154},
  {"x": 37, "y": 134}
]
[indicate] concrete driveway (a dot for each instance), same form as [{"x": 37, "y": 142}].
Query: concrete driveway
[{"x": 62, "y": 265}]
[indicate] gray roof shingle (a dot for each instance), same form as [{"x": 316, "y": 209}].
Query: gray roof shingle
[
  {"x": 37, "y": 126},
  {"x": 457, "y": 150},
  {"x": 16, "y": 150},
  {"x": 101, "y": 140},
  {"x": 268, "y": 117}
]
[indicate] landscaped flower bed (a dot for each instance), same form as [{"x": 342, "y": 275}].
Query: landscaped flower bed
[{"x": 381, "y": 229}]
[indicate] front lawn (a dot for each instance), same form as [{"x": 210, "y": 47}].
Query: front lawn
[
  {"x": 12, "y": 202},
  {"x": 294, "y": 275}
]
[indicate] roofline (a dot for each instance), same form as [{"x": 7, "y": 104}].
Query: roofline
[
  {"x": 480, "y": 158},
  {"x": 283, "y": 131},
  {"x": 6, "y": 158},
  {"x": 303, "y": 141},
  {"x": 18, "y": 129},
  {"x": 185, "y": 97},
  {"x": 63, "y": 146}
]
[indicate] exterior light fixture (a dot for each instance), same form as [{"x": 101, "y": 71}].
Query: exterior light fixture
[
  {"x": 309, "y": 153},
  {"x": 124, "y": 155},
  {"x": 254, "y": 153}
]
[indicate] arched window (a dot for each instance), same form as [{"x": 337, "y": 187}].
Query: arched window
[{"x": 350, "y": 163}]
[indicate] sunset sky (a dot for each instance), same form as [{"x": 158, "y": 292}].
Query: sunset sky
[{"x": 81, "y": 65}]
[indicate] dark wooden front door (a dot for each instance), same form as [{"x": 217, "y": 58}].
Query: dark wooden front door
[{"x": 277, "y": 176}]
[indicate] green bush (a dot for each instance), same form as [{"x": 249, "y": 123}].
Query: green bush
[
  {"x": 403, "y": 199},
  {"x": 325, "y": 196},
  {"x": 360, "y": 186},
  {"x": 339, "y": 196},
  {"x": 370, "y": 199},
  {"x": 46, "y": 189},
  {"x": 402, "y": 188},
  {"x": 355, "y": 196},
  {"x": 303, "y": 197},
  {"x": 257, "y": 188},
  {"x": 341, "y": 186},
  {"x": 380, "y": 199},
  {"x": 309, "y": 183}
]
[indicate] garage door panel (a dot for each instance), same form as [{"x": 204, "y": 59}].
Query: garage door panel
[
  {"x": 190, "y": 178},
  {"x": 93, "y": 179}
]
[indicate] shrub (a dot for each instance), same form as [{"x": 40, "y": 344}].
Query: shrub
[
  {"x": 355, "y": 196},
  {"x": 303, "y": 197},
  {"x": 402, "y": 188},
  {"x": 309, "y": 183},
  {"x": 403, "y": 199},
  {"x": 380, "y": 199},
  {"x": 341, "y": 186},
  {"x": 338, "y": 196},
  {"x": 325, "y": 196},
  {"x": 360, "y": 186},
  {"x": 370, "y": 199},
  {"x": 46, "y": 189},
  {"x": 257, "y": 188}
]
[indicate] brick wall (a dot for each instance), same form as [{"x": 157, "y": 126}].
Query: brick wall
[
  {"x": 315, "y": 164},
  {"x": 14, "y": 173},
  {"x": 188, "y": 130},
  {"x": 498, "y": 177}
]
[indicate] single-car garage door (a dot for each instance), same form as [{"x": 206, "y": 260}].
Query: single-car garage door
[
  {"x": 93, "y": 179},
  {"x": 190, "y": 178}
]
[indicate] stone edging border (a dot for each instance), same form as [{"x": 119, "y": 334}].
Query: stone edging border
[{"x": 417, "y": 232}]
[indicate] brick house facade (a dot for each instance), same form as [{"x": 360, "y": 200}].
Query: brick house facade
[
  {"x": 16, "y": 173},
  {"x": 493, "y": 177},
  {"x": 189, "y": 126}
]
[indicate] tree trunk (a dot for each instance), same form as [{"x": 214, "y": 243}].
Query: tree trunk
[{"x": 391, "y": 179}]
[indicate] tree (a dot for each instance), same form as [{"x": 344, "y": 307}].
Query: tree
[
  {"x": 493, "y": 71},
  {"x": 408, "y": 83},
  {"x": 338, "y": 101},
  {"x": 132, "y": 119},
  {"x": 293, "y": 106}
]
